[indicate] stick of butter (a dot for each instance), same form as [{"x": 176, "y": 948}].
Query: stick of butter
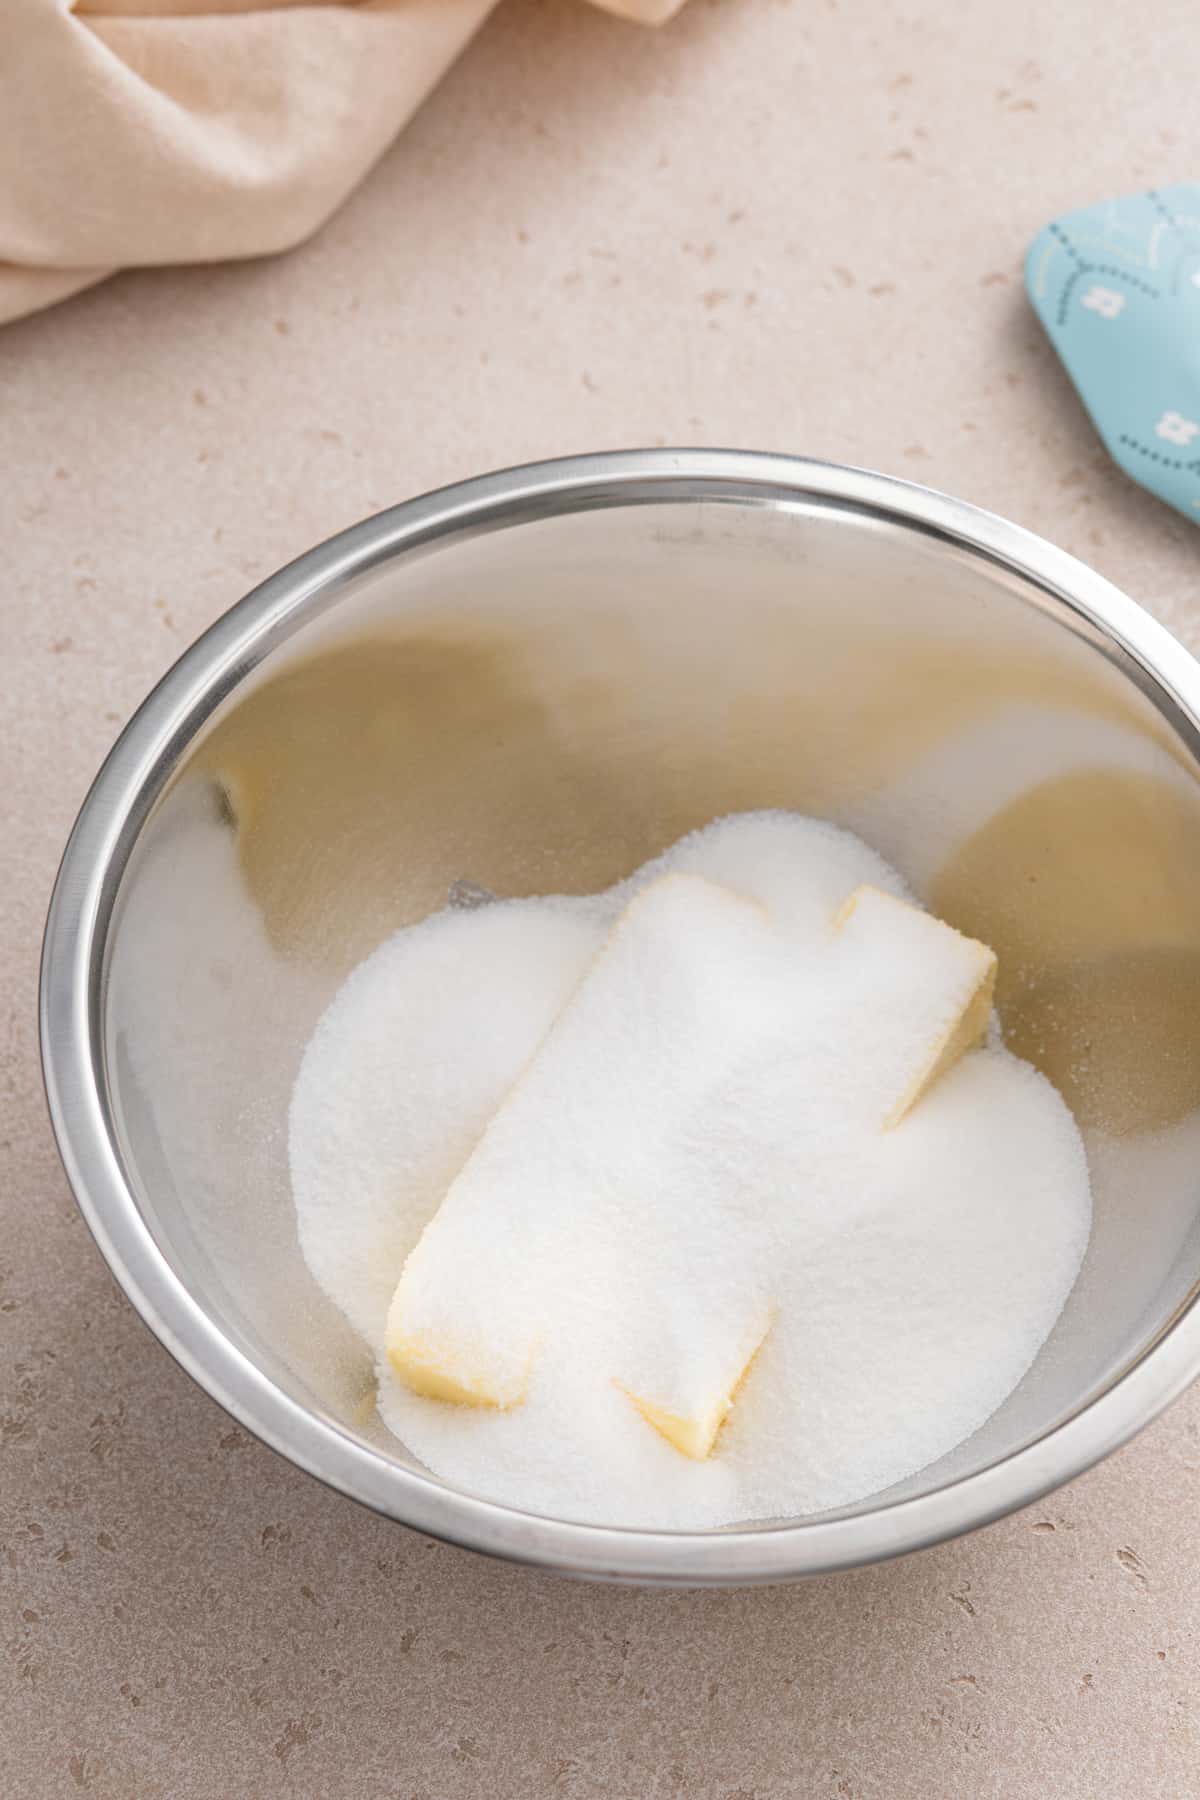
[
  {"x": 929, "y": 990},
  {"x": 577, "y": 1174}
]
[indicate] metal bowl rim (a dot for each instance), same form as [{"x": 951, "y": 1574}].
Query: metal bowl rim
[{"x": 153, "y": 745}]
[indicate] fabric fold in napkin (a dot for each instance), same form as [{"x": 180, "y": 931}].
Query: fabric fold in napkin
[{"x": 143, "y": 132}]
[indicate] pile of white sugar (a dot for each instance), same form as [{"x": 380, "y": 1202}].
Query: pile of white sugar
[{"x": 699, "y": 1154}]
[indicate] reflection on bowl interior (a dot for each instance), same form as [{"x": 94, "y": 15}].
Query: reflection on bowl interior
[{"x": 548, "y": 718}]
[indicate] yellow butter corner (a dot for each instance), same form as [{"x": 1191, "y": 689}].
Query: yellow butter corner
[
  {"x": 970, "y": 1000},
  {"x": 444, "y": 1367},
  {"x": 694, "y": 1432}
]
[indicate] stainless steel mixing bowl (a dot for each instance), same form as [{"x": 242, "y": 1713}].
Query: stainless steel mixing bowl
[{"x": 534, "y": 681}]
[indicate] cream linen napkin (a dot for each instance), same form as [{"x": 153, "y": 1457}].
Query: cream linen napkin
[{"x": 161, "y": 131}]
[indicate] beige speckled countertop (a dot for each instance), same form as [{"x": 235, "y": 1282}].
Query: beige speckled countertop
[{"x": 785, "y": 225}]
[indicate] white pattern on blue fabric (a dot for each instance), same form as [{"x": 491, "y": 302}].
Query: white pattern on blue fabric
[{"x": 1117, "y": 288}]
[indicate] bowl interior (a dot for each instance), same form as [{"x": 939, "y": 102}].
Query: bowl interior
[{"x": 540, "y": 708}]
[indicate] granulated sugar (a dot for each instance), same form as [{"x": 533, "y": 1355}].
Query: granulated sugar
[
  {"x": 425, "y": 1038},
  {"x": 655, "y": 1183}
]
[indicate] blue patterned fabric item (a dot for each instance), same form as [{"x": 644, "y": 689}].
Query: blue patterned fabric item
[{"x": 1117, "y": 287}]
